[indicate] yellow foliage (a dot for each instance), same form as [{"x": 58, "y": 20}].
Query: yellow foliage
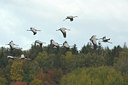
[
  {"x": 16, "y": 72},
  {"x": 36, "y": 82}
]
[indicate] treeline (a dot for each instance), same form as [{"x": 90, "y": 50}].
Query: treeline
[{"x": 61, "y": 66}]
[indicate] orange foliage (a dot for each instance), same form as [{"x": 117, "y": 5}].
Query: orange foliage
[
  {"x": 51, "y": 78},
  {"x": 18, "y": 83}
]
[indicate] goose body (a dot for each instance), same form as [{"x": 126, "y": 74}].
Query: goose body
[
  {"x": 71, "y": 18},
  {"x": 11, "y": 57},
  {"x": 104, "y": 39},
  {"x": 55, "y": 44},
  {"x": 66, "y": 45}
]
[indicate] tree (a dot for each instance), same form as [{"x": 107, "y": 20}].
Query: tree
[
  {"x": 18, "y": 83},
  {"x": 44, "y": 61},
  {"x": 3, "y": 57},
  {"x": 3, "y": 81},
  {"x": 74, "y": 49},
  {"x": 33, "y": 52},
  {"x": 16, "y": 73},
  {"x": 93, "y": 60},
  {"x": 51, "y": 78},
  {"x": 93, "y": 76},
  {"x": 68, "y": 61},
  {"x": 125, "y": 46},
  {"x": 34, "y": 68},
  {"x": 87, "y": 49},
  {"x": 36, "y": 82},
  {"x": 121, "y": 63}
]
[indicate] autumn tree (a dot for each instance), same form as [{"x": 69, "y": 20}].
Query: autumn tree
[
  {"x": 16, "y": 72},
  {"x": 52, "y": 77},
  {"x": 18, "y": 83},
  {"x": 36, "y": 82}
]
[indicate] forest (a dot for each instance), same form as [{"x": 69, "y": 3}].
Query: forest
[{"x": 60, "y": 66}]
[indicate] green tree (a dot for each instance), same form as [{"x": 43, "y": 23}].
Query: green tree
[
  {"x": 74, "y": 49},
  {"x": 89, "y": 49},
  {"x": 121, "y": 63},
  {"x": 3, "y": 57},
  {"x": 68, "y": 61},
  {"x": 34, "y": 51},
  {"x": 93, "y": 60},
  {"x": 3, "y": 81},
  {"x": 93, "y": 76},
  {"x": 33, "y": 70},
  {"x": 44, "y": 61}
]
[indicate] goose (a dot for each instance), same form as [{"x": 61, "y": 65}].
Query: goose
[
  {"x": 22, "y": 56},
  {"x": 66, "y": 45},
  {"x": 55, "y": 44},
  {"x": 71, "y": 18},
  {"x": 93, "y": 40},
  {"x": 12, "y": 45},
  {"x": 11, "y": 57},
  {"x": 34, "y": 30},
  {"x": 39, "y": 42},
  {"x": 104, "y": 39},
  {"x": 63, "y": 30}
]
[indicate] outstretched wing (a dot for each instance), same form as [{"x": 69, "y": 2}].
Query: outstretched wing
[{"x": 64, "y": 34}]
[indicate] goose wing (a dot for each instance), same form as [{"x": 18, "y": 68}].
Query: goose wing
[{"x": 63, "y": 32}]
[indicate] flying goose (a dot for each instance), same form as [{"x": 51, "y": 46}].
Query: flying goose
[
  {"x": 104, "y": 39},
  {"x": 71, "y": 18},
  {"x": 55, "y": 44},
  {"x": 39, "y": 42},
  {"x": 12, "y": 45},
  {"x": 63, "y": 30},
  {"x": 34, "y": 30},
  {"x": 93, "y": 40}
]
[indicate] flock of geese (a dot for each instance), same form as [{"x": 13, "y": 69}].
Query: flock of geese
[{"x": 93, "y": 39}]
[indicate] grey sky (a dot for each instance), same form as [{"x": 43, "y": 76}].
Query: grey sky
[{"x": 95, "y": 17}]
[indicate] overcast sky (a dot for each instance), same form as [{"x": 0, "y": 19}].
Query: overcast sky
[{"x": 95, "y": 17}]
